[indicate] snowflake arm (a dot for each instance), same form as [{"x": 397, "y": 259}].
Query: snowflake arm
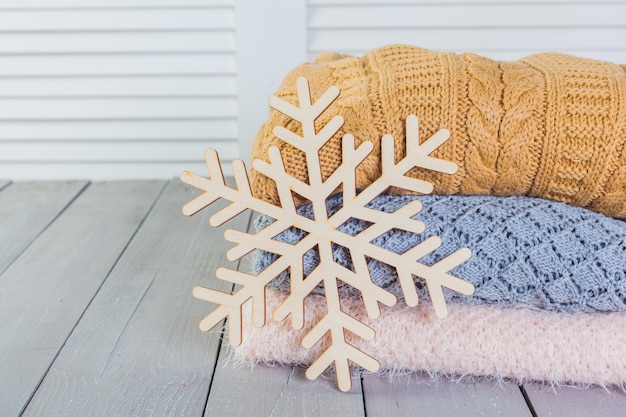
[
  {"x": 230, "y": 305},
  {"x": 436, "y": 276},
  {"x": 340, "y": 352},
  {"x": 215, "y": 188},
  {"x": 416, "y": 156},
  {"x": 307, "y": 112},
  {"x": 322, "y": 233}
]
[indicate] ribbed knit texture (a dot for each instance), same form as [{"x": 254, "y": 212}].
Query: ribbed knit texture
[
  {"x": 526, "y": 251},
  {"x": 523, "y": 344},
  {"x": 549, "y": 125}
]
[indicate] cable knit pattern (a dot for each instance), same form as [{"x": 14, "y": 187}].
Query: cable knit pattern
[
  {"x": 484, "y": 117},
  {"x": 522, "y": 123},
  {"x": 549, "y": 125},
  {"x": 526, "y": 251}
]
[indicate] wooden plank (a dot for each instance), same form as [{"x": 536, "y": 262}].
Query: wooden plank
[
  {"x": 207, "y": 129},
  {"x": 26, "y": 209},
  {"x": 46, "y": 290},
  {"x": 138, "y": 350},
  {"x": 420, "y": 396},
  {"x": 97, "y": 109},
  {"x": 103, "y": 170},
  {"x": 576, "y": 402},
  {"x": 278, "y": 391},
  {"x": 113, "y": 151}
]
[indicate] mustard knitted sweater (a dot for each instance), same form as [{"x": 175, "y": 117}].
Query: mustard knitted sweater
[{"x": 549, "y": 125}]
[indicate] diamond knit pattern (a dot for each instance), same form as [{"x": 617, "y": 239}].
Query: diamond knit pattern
[{"x": 527, "y": 251}]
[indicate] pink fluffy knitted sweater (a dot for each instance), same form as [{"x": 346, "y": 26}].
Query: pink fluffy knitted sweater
[{"x": 520, "y": 343}]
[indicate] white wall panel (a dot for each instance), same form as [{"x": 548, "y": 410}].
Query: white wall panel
[
  {"x": 34, "y": 170},
  {"x": 100, "y": 4},
  {"x": 117, "y": 109},
  {"x": 453, "y": 16},
  {"x": 116, "y": 130},
  {"x": 498, "y": 29},
  {"x": 466, "y": 39},
  {"x": 115, "y": 89},
  {"x": 145, "y": 86},
  {"x": 126, "y": 151},
  {"x": 138, "y": 88},
  {"x": 271, "y": 39},
  {"x": 116, "y": 42},
  {"x": 447, "y": 2},
  {"x": 85, "y": 65},
  {"x": 85, "y": 20}
]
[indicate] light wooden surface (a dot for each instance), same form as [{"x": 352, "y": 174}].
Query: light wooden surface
[
  {"x": 44, "y": 293},
  {"x": 97, "y": 319},
  {"x": 26, "y": 209},
  {"x": 421, "y": 397}
]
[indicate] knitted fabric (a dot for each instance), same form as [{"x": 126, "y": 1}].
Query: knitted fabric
[
  {"x": 473, "y": 340},
  {"x": 525, "y": 251},
  {"x": 549, "y": 125}
]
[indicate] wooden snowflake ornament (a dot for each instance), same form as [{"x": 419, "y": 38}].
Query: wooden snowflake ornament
[{"x": 322, "y": 233}]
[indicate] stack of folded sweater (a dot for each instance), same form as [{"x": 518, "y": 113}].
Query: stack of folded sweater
[{"x": 539, "y": 198}]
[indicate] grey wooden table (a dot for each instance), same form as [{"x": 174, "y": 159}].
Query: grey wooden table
[{"x": 97, "y": 319}]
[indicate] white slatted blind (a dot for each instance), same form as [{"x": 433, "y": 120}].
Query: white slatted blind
[
  {"x": 502, "y": 29},
  {"x": 115, "y": 88},
  {"x": 139, "y": 88}
]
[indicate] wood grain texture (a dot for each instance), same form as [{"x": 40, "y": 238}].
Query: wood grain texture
[
  {"x": 27, "y": 208},
  {"x": 137, "y": 350},
  {"x": 419, "y": 396},
  {"x": 241, "y": 391},
  {"x": 576, "y": 402},
  {"x": 45, "y": 291}
]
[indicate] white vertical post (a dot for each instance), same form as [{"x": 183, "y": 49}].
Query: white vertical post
[{"x": 270, "y": 39}]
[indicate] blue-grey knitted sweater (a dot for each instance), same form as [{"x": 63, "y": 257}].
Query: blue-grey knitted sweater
[{"x": 525, "y": 251}]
